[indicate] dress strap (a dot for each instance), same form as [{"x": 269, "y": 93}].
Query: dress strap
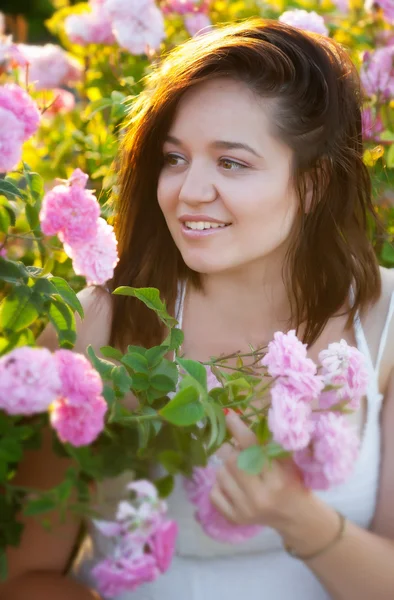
[
  {"x": 362, "y": 343},
  {"x": 383, "y": 339},
  {"x": 180, "y": 301}
]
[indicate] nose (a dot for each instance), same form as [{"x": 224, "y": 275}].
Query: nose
[{"x": 197, "y": 186}]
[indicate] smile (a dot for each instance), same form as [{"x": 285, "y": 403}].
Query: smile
[{"x": 203, "y": 225}]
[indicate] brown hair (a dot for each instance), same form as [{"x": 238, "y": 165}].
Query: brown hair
[{"x": 317, "y": 96}]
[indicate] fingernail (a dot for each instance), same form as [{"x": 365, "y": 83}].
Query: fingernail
[{"x": 226, "y": 411}]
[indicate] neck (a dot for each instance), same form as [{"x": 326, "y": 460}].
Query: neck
[{"x": 252, "y": 300}]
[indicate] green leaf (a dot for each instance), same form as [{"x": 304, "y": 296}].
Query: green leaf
[
  {"x": 171, "y": 461},
  {"x": 5, "y": 219},
  {"x": 390, "y": 157},
  {"x": 10, "y": 450},
  {"x": 175, "y": 338},
  {"x": 167, "y": 368},
  {"x": 155, "y": 354},
  {"x": 68, "y": 294},
  {"x": 110, "y": 352},
  {"x": 262, "y": 431},
  {"x": 195, "y": 370},
  {"x": 165, "y": 485},
  {"x": 32, "y": 215},
  {"x": 16, "y": 311},
  {"x": 97, "y": 106},
  {"x": 9, "y": 190},
  {"x": 121, "y": 379},
  {"x": 184, "y": 409},
  {"x": 104, "y": 367},
  {"x": 387, "y": 253},
  {"x": 387, "y": 136},
  {"x": 274, "y": 450},
  {"x": 13, "y": 272},
  {"x": 162, "y": 383},
  {"x": 252, "y": 460},
  {"x": 14, "y": 340},
  {"x": 140, "y": 382},
  {"x": 62, "y": 318},
  {"x": 240, "y": 382},
  {"x": 36, "y": 186},
  {"x": 137, "y": 362},
  {"x": 37, "y": 507},
  {"x": 44, "y": 286},
  {"x": 151, "y": 298}
]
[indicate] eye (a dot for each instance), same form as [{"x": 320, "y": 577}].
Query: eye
[
  {"x": 231, "y": 165},
  {"x": 173, "y": 160}
]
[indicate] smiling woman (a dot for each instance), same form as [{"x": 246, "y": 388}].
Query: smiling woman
[{"x": 245, "y": 200}]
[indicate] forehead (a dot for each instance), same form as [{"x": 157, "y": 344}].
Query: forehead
[{"x": 223, "y": 106}]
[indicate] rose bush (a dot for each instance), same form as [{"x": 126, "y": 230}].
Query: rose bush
[{"x": 62, "y": 113}]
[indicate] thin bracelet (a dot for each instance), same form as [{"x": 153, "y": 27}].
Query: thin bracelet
[{"x": 337, "y": 538}]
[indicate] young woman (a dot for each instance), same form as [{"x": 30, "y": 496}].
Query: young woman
[{"x": 245, "y": 200}]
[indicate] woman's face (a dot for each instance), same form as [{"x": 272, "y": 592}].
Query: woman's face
[{"x": 225, "y": 187}]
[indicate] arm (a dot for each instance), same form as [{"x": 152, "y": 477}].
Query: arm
[
  {"x": 37, "y": 567},
  {"x": 361, "y": 565}
]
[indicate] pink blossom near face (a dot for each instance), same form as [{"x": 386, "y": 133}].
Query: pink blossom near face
[
  {"x": 197, "y": 22},
  {"x": 287, "y": 359},
  {"x": 302, "y": 19},
  {"x": 247, "y": 186},
  {"x": 92, "y": 27},
  {"x": 140, "y": 34},
  {"x": 377, "y": 73},
  {"x": 80, "y": 381},
  {"x": 50, "y": 66},
  {"x": 78, "y": 425},
  {"x": 346, "y": 367},
  {"x": 63, "y": 103},
  {"x": 18, "y": 101},
  {"x": 11, "y": 140},
  {"x": 372, "y": 125},
  {"x": 29, "y": 381},
  {"x": 162, "y": 544},
  {"x": 289, "y": 419},
  {"x": 97, "y": 259},
  {"x": 70, "y": 212},
  {"x": 387, "y": 7}
]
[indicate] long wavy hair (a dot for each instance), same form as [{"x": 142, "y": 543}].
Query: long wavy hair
[{"x": 317, "y": 99}]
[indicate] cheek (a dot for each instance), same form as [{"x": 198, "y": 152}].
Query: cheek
[{"x": 165, "y": 193}]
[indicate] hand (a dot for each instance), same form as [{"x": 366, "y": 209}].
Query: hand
[{"x": 271, "y": 498}]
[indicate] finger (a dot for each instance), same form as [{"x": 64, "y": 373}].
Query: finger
[
  {"x": 222, "y": 504},
  {"x": 240, "y": 432},
  {"x": 231, "y": 490}
]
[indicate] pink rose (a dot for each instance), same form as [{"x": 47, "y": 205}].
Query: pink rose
[{"x": 162, "y": 544}]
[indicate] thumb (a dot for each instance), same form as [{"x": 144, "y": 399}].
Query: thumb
[{"x": 240, "y": 431}]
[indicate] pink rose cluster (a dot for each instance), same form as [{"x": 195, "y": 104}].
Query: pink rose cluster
[
  {"x": 49, "y": 66},
  {"x": 377, "y": 73},
  {"x": 194, "y": 12},
  {"x": 387, "y": 7},
  {"x": 323, "y": 443},
  {"x": 19, "y": 120},
  {"x": 136, "y": 25},
  {"x": 306, "y": 20},
  {"x": 372, "y": 124},
  {"x": 143, "y": 542},
  {"x": 33, "y": 380},
  {"x": 72, "y": 212}
]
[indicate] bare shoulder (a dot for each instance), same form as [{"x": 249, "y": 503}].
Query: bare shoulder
[{"x": 93, "y": 329}]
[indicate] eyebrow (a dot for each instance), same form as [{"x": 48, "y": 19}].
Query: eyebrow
[{"x": 227, "y": 145}]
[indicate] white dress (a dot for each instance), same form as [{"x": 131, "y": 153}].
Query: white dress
[{"x": 258, "y": 568}]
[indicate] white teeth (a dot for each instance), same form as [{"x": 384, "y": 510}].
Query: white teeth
[{"x": 203, "y": 225}]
